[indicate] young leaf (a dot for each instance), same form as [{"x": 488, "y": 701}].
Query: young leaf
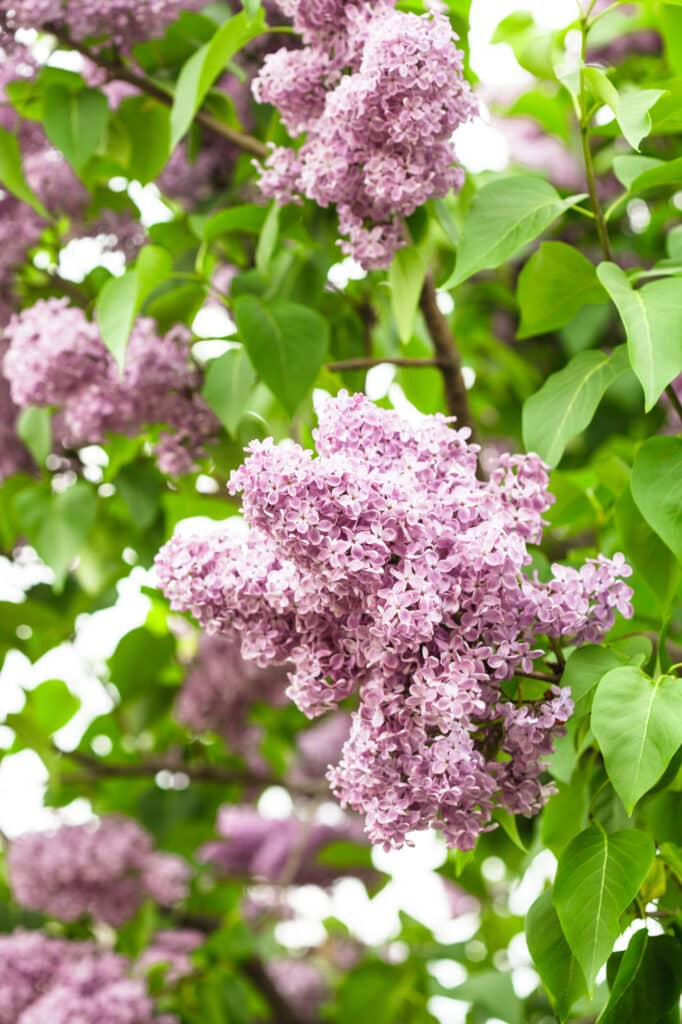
[
  {"x": 561, "y": 973},
  {"x": 556, "y": 282},
  {"x": 598, "y": 875},
  {"x": 637, "y": 722},
  {"x": 630, "y": 108},
  {"x": 227, "y": 386},
  {"x": 75, "y": 121},
  {"x": 648, "y": 980},
  {"x": 406, "y": 277},
  {"x": 504, "y": 216},
  {"x": 34, "y": 427},
  {"x": 287, "y": 344},
  {"x": 203, "y": 67},
  {"x": 652, "y": 317},
  {"x": 122, "y": 298},
  {"x": 57, "y": 524},
  {"x": 12, "y": 175},
  {"x": 657, "y": 488},
  {"x": 567, "y": 401},
  {"x": 267, "y": 240}
]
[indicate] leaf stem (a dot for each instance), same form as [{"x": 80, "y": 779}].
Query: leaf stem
[{"x": 602, "y": 229}]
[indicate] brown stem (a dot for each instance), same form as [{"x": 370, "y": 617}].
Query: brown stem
[
  {"x": 674, "y": 401},
  {"x": 602, "y": 229},
  {"x": 367, "y": 362},
  {"x": 447, "y": 355},
  {"x": 123, "y": 73},
  {"x": 283, "y": 1012},
  {"x": 95, "y": 767},
  {"x": 545, "y": 677}
]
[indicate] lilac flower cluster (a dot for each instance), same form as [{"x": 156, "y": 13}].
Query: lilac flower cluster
[
  {"x": 274, "y": 850},
  {"x": 220, "y": 690},
  {"x": 386, "y": 566},
  {"x": 56, "y": 357},
  {"x": 379, "y": 94},
  {"x": 14, "y": 456},
  {"x": 120, "y": 23},
  {"x": 302, "y": 985},
  {"x": 172, "y": 947},
  {"x": 49, "y": 980},
  {"x": 106, "y": 869}
]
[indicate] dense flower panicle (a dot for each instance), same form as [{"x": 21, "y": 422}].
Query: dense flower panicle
[
  {"x": 220, "y": 690},
  {"x": 14, "y": 456},
  {"x": 174, "y": 948},
  {"x": 274, "y": 850},
  {"x": 106, "y": 869},
  {"x": 386, "y": 566},
  {"x": 49, "y": 981},
  {"x": 378, "y": 141},
  {"x": 56, "y": 356},
  {"x": 119, "y": 22}
]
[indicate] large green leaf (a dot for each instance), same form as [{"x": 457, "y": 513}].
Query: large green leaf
[
  {"x": 406, "y": 277},
  {"x": 637, "y": 722},
  {"x": 147, "y": 126},
  {"x": 504, "y": 216},
  {"x": 567, "y": 401},
  {"x": 652, "y": 317},
  {"x": 646, "y": 552},
  {"x": 657, "y": 488},
  {"x": 561, "y": 973},
  {"x": 287, "y": 344},
  {"x": 492, "y": 992},
  {"x": 75, "y": 121},
  {"x": 34, "y": 427},
  {"x": 48, "y": 707},
  {"x": 598, "y": 876},
  {"x": 645, "y": 981},
  {"x": 57, "y": 524},
  {"x": 122, "y": 298},
  {"x": 556, "y": 282},
  {"x": 228, "y": 384},
  {"x": 12, "y": 174},
  {"x": 203, "y": 67}
]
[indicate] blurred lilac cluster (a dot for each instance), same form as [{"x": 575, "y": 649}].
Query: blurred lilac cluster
[
  {"x": 378, "y": 93},
  {"x": 105, "y": 869},
  {"x": 386, "y": 565},
  {"x": 275, "y": 850},
  {"x": 56, "y": 357},
  {"x": 45, "y": 980}
]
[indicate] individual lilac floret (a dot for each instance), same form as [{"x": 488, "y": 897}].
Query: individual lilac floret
[
  {"x": 275, "y": 850},
  {"x": 56, "y": 357},
  {"x": 49, "y": 981},
  {"x": 379, "y": 94},
  {"x": 105, "y": 869},
  {"x": 386, "y": 566},
  {"x": 220, "y": 690}
]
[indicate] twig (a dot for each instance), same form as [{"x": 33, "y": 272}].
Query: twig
[
  {"x": 545, "y": 677},
  {"x": 447, "y": 356},
  {"x": 98, "y": 768},
  {"x": 123, "y": 73},
  {"x": 367, "y": 362},
  {"x": 602, "y": 229}
]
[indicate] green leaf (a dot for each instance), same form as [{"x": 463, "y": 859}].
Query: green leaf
[
  {"x": 227, "y": 386},
  {"x": 248, "y": 218},
  {"x": 507, "y": 823},
  {"x": 646, "y": 552},
  {"x": 648, "y": 980},
  {"x": 267, "y": 240},
  {"x": 57, "y": 524},
  {"x": 12, "y": 175},
  {"x": 147, "y": 125},
  {"x": 504, "y": 216},
  {"x": 406, "y": 278},
  {"x": 652, "y": 317},
  {"x": 287, "y": 344},
  {"x": 203, "y": 67},
  {"x": 657, "y": 488},
  {"x": 567, "y": 401},
  {"x": 669, "y": 173},
  {"x": 122, "y": 298},
  {"x": 637, "y": 722},
  {"x": 628, "y": 168},
  {"x": 630, "y": 107},
  {"x": 556, "y": 282},
  {"x": 75, "y": 122},
  {"x": 48, "y": 707},
  {"x": 34, "y": 427},
  {"x": 672, "y": 855},
  {"x": 492, "y": 992},
  {"x": 598, "y": 876},
  {"x": 561, "y": 973},
  {"x": 584, "y": 669},
  {"x": 564, "y": 814},
  {"x": 139, "y": 662}
]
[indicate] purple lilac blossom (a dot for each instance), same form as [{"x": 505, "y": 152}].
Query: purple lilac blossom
[
  {"x": 302, "y": 985},
  {"x": 273, "y": 850},
  {"x": 56, "y": 356},
  {"x": 385, "y": 566},
  {"x": 105, "y": 869},
  {"x": 378, "y": 93},
  {"x": 50, "y": 981},
  {"x": 174, "y": 948},
  {"x": 221, "y": 688}
]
